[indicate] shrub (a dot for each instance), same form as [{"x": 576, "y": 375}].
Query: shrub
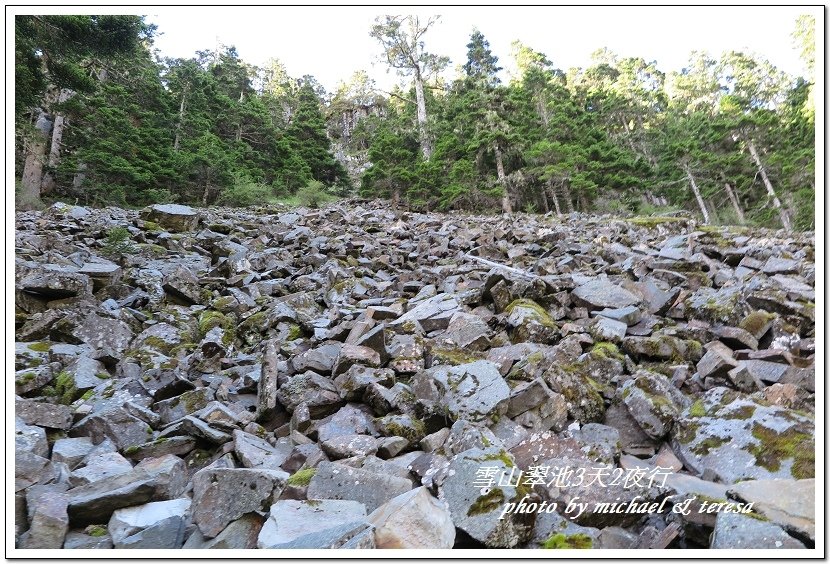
[
  {"x": 313, "y": 195},
  {"x": 118, "y": 243},
  {"x": 245, "y": 192}
]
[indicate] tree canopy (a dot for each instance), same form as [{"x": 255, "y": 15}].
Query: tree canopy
[{"x": 101, "y": 119}]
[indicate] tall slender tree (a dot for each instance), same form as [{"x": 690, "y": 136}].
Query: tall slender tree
[{"x": 404, "y": 51}]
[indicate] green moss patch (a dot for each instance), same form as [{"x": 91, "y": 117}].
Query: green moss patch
[
  {"x": 96, "y": 530},
  {"x": 43, "y": 346},
  {"x": 539, "y": 313},
  {"x": 754, "y": 322},
  {"x": 302, "y": 477},
  {"x": 563, "y": 541},
  {"x": 607, "y": 350},
  {"x": 487, "y": 503},
  {"x": 792, "y": 444},
  {"x": 697, "y": 409}
]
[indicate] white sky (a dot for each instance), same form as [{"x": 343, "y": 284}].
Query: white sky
[{"x": 333, "y": 42}]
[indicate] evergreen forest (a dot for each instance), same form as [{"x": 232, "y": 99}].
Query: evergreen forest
[{"x": 102, "y": 119}]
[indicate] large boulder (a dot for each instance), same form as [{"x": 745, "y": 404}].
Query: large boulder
[
  {"x": 602, "y": 293},
  {"x": 327, "y": 523},
  {"x": 737, "y": 438},
  {"x": 478, "y": 502},
  {"x": 414, "y": 519},
  {"x": 156, "y": 479},
  {"x": 372, "y": 489},
  {"x": 222, "y": 495},
  {"x": 159, "y": 524},
  {"x": 474, "y": 391},
  {"x": 173, "y": 217}
]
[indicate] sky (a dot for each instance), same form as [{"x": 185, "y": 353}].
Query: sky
[{"x": 333, "y": 42}]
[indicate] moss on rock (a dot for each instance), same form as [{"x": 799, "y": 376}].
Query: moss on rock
[
  {"x": 487, "y": 503},
  {"x": 302, "y": 477},
  {"x": 563, "y": 541},
  {"x": 43, "y": 346},
  {"x": 774, "y": 447}
]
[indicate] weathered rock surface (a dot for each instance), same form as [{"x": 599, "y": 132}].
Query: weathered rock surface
[
  {"x": 159, "y": 524},
  {"x": 312, "y": 524},
  {"x": 414, "y": 519},
  {"x": 238, "y": 367},
  {"x": 372, "y": 489},
  {"x": 222, "y": 495}
]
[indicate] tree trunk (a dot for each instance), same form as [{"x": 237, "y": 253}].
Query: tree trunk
[
  {"x": 35, "y": 157},
  {"x": 79, "y": 178},
  {"x": 697, "y": 194},
  {"x": 541, "y": 108},
  {"x": 545, "y": 204},
  {"x": 552, "y": 191},
  {"x": 782, "y": 213},
  {"x": 179, "y": 123},
  {"x": 735, "y": 204},
  {"x": 47, "y": 185},
  {"x": 566, "y": 193},
  {"x": 506, "y": 206},
  {"x": 396, "y": 196},
  {"x": 423, "y": 134}
]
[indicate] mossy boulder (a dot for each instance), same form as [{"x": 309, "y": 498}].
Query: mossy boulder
[
  {"x": 653, "y": 402},
  {"x": 583, "y": 394},
  {"x": 530, "y": 322},
  {"x": 161, "y": 337},
  {"x": 406, "y": 426},
  {"x": 474, "y": 391},
  {"x": 738, "y": 438},
  {"x": 663, "y": 347},
  {"x": 476, "y": 504},
  {"x": 722, "y": 305}
]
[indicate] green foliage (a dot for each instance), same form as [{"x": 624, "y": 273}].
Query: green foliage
[
  {"x": 245, "y": 192},
  {"x": 313, "y": 195},
  {"x": 118, "y": 243},
  {"x": 618, "y": 135}
]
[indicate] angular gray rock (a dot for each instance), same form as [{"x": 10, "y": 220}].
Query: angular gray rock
[
  {"x": 415, "y": 520},
  {"x": 477, "y": 507},
  {"x": 735, "y": 438},
  {"x": 173, "y": 217},
  {"x": 602, "y": 293},
  {"x": 54, "y": 416},
  {"x": 156, "y": 479},
  {"x": 653, "y": 402},
  {"x": 48, "y": 523},
  {"x": 737, "y": 531},
  {"x": 311, "y": 524},
  {"x": 790, "y": 504},
  {"x": 222, "y": 495},
  {"x": 474, "y": 391},
  {"x": 338, "y": 481},
  {"x": 159, "y": 524}
]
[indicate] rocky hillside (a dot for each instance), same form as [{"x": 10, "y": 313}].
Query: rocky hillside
[{"x": 356, "y": 377}]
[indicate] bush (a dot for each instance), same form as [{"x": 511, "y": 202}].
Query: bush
[
  {"x": 118, "y": 243},
  {"x": 245, "y": 192},
  {"x": 313, "y": 195}
]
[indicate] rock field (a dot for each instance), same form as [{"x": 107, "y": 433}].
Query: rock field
[{"x": 359, "y": 377}]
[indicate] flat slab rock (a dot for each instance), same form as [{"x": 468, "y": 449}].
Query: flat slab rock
[
  {"x": 310, "y": 523},
  {"x": 338, "y": 481},
  {"x": 790, "y": 504}
]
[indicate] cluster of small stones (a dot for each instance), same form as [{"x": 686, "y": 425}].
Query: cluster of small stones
[{"x": 338, "y": 378}]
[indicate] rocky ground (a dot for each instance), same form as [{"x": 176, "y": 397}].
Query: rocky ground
[{"x": 356, "y": 377}]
